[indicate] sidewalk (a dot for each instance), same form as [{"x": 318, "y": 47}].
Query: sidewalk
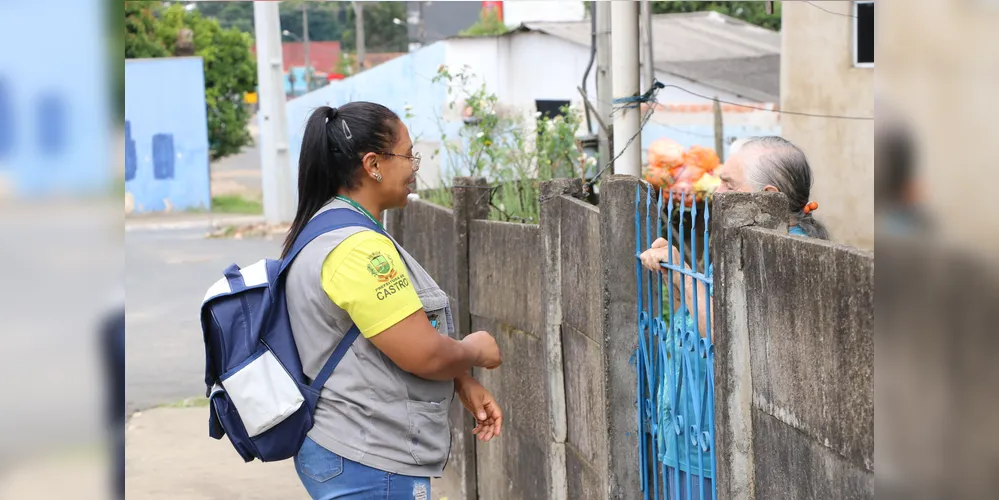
[
  {"x": 169, "y": 455},
  {"x": 184, "y": 220}
]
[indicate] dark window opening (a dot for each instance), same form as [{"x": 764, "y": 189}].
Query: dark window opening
[
  {"x": 550, "y": 108},
  {"x": 864, "y": 33}
]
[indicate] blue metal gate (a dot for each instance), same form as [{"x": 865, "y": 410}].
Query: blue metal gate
[{"x": 675, "y": 359}]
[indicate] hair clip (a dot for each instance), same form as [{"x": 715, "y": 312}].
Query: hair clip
[
  {"x": 810, "y": 207},
  {"x": 346, "y": 130}
]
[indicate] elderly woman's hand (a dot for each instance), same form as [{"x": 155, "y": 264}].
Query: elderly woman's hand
[{"x": 659, "y": 252}]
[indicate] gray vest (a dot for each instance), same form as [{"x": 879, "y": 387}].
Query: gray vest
[{"x": 370, "y": 410}]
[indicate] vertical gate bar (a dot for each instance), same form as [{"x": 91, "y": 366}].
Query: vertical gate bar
[
  {"x": 710, "y": 353},
  {"x": 650, "y": 371},
  {"x": 697, "y": 348},
  {"x": 657, "y": 353},
  {"x": 638, "y": 352},
  {"x": 685, "y": 360},
  {"x": 673, "y": 382}
]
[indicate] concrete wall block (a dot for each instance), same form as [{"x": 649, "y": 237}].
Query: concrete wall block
[
  {"x": 620, "y": 331},
  {"x": 550, "y": 234},
  {"x": 791, "y": 466},
  {"x": 730, "y": 334},
  {"x": 505, "y": 273},
  {"x": 584, "y": 397},
  {"x": 582, "y": 295},
  {"x": 585, "y": 482},
  {"x": 470, "y": 202},
  {"x": 517, "y": 465},
  {"x": 811, "y": 315},
  {"x": 431, "y": 240}
]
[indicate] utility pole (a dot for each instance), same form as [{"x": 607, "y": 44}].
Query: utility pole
[
  {"x": 649, "y": 67},
  {"x": 624, "y": 63},
  {"x": 305, "y": 46},
  {"x": 359, "y": 33},
  {"x": 719, "y": 130},
  {"x": 604, "y": 91},
  {"x": 278, "y": 190}
]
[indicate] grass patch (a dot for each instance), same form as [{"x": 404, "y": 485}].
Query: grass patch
[
  {"x": 235, "y": 204},
  {"x": 196, "y": 402}
]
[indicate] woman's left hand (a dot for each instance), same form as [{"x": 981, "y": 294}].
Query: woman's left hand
[{"x": 482, "y": 405}]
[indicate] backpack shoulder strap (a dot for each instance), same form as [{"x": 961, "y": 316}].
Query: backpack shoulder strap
[{"x": 331, "y": 220}]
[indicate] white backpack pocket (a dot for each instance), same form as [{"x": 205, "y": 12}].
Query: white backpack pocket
[{"x": 263, "y": 392}]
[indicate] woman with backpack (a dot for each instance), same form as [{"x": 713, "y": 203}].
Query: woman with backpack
[{"x": 381, "y": 425}]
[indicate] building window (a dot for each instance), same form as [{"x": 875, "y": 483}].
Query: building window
[
  {"x": 550, "y": 108},
  {"x": 863, "y": 34}
]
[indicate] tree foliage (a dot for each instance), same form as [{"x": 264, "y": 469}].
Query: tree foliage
[
  {"x": 328, "y": 21},
  {"x": 230, "y": 68},
  {"x": 489, "y": 24},
  {"x": 751, "y": 12}
]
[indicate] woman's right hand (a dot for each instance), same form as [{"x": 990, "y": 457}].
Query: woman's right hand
[
  {"x": 658, "y": 253},
  {"x": 487, "y": 353}
]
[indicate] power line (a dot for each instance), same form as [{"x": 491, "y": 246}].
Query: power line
[
  {"x": 645, "y": 120},
  {"x": 830, "y": 11},
  {"x": 796, "y": 113}
]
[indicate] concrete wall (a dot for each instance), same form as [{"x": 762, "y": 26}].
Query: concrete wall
[
  {"x": 793, "y": 322},
  {"x": 166, "y": 135},
  {"x": 583, "y": 351},
  {"x": 794, "y": 358},
  {"x": 504, "y": 287},
  {"x": 818, "y": 76}
]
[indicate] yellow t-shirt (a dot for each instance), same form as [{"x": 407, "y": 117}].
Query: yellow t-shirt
[{"x": 365, "y": 276}]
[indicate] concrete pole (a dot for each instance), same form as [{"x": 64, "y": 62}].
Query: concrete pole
[
  {"x": 305, "y": 46},
  {"x": 605, "y": 93},
  {"x": 278, "y": 189},
  {"x": 627, "y": 122},
  {"x": 359, "y": 34},
  {"x": 648, "y": 67}
]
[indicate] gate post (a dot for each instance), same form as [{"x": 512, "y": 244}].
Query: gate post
[
  {"x": 620, "y": 326},
  {"x": 734, "y": 476},
  {"x": 471, "y": 201}
]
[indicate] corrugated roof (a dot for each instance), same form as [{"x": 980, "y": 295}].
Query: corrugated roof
[{"x": 707, "y": 47}]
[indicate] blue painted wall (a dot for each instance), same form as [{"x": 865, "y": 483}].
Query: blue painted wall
[
  {"x": 166, "y": 134},
  {"x": 54, "y": 103},
  {"x": 405, "y": 80}
]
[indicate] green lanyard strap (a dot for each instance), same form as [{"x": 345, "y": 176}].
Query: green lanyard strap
[{"x": 359, "y": 208}]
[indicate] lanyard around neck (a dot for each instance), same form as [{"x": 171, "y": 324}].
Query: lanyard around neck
[{"x": 359, "y": 208}]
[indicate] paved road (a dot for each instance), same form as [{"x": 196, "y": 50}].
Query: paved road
[{"x": 169, "y": 266}]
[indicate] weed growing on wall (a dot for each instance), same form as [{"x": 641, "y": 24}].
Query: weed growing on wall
[{"x": 513, "y": 151}]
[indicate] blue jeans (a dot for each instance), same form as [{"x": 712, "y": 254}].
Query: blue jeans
[{"x": 328, "y": 476}]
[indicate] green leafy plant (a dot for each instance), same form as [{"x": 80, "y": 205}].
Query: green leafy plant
[
  {"x": 511, "y": 151},
  {"x": 489, "y": 24}
]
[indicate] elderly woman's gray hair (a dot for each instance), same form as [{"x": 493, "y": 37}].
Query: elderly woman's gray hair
[{"x": 784, "y": 166}]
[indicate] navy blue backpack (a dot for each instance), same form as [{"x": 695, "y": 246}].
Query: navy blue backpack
[{"x": 258, "y": 394}]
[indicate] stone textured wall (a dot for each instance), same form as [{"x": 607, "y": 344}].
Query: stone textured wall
[{"x": 794, "y": 358}]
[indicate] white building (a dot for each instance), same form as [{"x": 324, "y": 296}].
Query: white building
[
  {"x": 704, "y": 52},
  {"x": 828, "y": 69},
  {"x": 541, "y": 64}
]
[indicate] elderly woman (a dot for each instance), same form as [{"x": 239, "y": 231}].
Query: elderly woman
[{"x": 756, "y": 164}]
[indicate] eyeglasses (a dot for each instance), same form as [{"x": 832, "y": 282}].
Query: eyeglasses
[{"x": 414, "y": 160}]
